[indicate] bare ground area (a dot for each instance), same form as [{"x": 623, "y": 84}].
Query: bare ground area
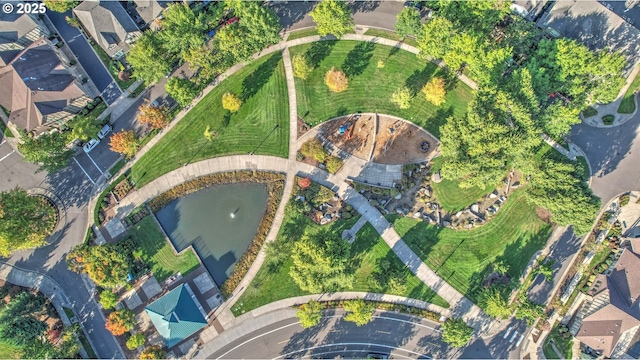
[
  {"x": 303, "y": 127},
  {"x": 357, "y": 139},
  {"x": 400, "y": 142}
]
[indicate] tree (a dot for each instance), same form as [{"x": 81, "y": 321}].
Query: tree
[
  {"x": 182, "y": 91},
  {"x": 208, "y": 134},
  {"x": 60, "y": 6},
  {"x": 310, "y": 314},
  {"x": 125, "y": 142},
  {"x": 333, "y": 164},
  {"x": 25, "y": 221},
  {"x": 557, "y": 119},
  {"x": 205, "y": 62},
  {"x": 435, "y": 37},
  {"x": 108, "y": 299},
  {"x": 401, "y": 97},
  {"x": 301, "y": 66},
  {"x": 358, "y": 311},
  {"x": 19, "y": 320},
  {"x": 72, "y": 21},
  {"x": 231, "y": 102},
  {"x": 336, "y": 80},
  {"x": 152, "y": 352},
  {"x": 435, "y": 91},
  {"x": 545, "y": 268},
  {"x": 501, "y": 267},
  {"x": 462, "y": 50},
  {"x": 155, "y": 117},
  {"x": 408, "y": 22},
  {"x": 120, "y": 321},
  {"x": 313, "y": 148},
  {"x": 529, "y": 311},
  {"x": 183, "y": 28},
  {"x": 148, "y": 58},
  {"x": 304, "y": 182},
  {"x": 135, "y": 341},
  {"x": 332, "y": 17},
  {"x": 49, "y": 150},
  {"x": 83, "y": 128},
  {"x": 456, "y": 333},
  {"x": 494, "y": 304},
  {"x": 320, "y": 263},
  {"x": 107, "y": 265}
]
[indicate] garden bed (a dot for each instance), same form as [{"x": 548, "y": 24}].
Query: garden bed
[{"x": 608, "y": 119}]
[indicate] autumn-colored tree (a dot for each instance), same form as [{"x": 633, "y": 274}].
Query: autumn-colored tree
[
  {"x": 152, "y": 352},
  {"x": 313, "y": 148},
  {"x": 154, "y": 116},
  {"x": 304, "y": 182},
  {"x": 336, "y": 80},
  {"x": 105, "y": 264},
  {"x": 435, "y": 91},
  {"x": 120, "y": 321},
  {"x": 301, "y": 66},
  {"x": 231, "y": 102},
  {"x": 125, "y": 142}
]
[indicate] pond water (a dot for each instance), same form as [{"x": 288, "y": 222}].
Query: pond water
[{"x": 219, "y": 221}]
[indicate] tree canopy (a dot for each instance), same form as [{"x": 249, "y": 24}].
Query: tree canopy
[
  {"x": 148, "y": 58},
  {"x": 332, "y": 17},
  {"x": 107, "y": 265},
  {"x": 358, "y": 311},
  {"x": 456, "y": 333},
  {"x": 60, "y": 6},
  {"x": 310, "y": 314},
  {"x": 83, "y": 128},
  {"x": 49, "y": 150},
  {"x": 408, "y": 22}
]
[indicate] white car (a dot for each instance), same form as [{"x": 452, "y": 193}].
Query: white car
[
  {"x": 90, "y": 145},
  {"x": 104, "y": 131}
]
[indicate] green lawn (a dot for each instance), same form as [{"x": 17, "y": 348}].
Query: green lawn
[
  {"x": 589, "y": 112},
  {"x": 628, "y": 105},
  {"x": 451, "y": 196},
  {"x": 464, "y": 257},
  {"x": 368, "y": 251},
  {"x": 261, "y": 125},
  {"x": 562, "y": 344},
  {"x": 7, "y": 351},
  {"x": 157, "y": 253},
  {"x": 391, "y": 35},
  {"x": 307, "y": 32},
  {"x": 370, "y": 87}
]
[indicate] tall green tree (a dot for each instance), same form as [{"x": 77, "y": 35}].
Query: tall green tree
[
  {"x": 408, "y": 22},
  {"x": 182, "y": 28},
  {"x": 556, "y": 120},
  {"x": 83, "y": 128},
  {"x": 18, "y": 323},
  {"x": 183, "y": 91},
  {"x": 310, "y": 314},
  {"x": 107, "y": 265},
  {"x": 148, "y": 58},
  {"x": 60, "y": 6},
  {"x": 434, "y": 39},
  {"x": 25, "y": 221},
  {"x": 456, "y": 333},
  {"x": 358, "y": 311},
  {"x": 332, "y": 17},
  {"x": 462, "y": 50},
  {"x": 320, "y": 263},
  {"x": 49, "y": 150},
  {"x": 494, "y": 304},
  {"x": 478, "y": 16}
]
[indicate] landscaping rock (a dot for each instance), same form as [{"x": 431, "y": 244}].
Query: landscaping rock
[
  {"x": 417, "y": 215},
  {"x": 515, "y": 185},
  {"x": 436, "y": 178},
  {"x": 446, "y": 223},
  {"x": 475, "y": 208},
  {"x": 398, "y": 197},
  {"x": 493, "y": 195}
]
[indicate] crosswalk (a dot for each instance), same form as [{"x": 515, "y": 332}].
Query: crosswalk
[{"x": 514, "y": 336}]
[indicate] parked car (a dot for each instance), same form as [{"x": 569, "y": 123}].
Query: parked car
[
  {"x": 90, "y": 145},
  {"x": 231, "y": 21},
  {"x": 104, "y": 131}
]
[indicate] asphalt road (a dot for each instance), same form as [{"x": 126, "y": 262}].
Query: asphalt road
[{"x": 86, "y": 56}]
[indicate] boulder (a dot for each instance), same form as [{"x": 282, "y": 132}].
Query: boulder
[{"x": 475, "y": 208}]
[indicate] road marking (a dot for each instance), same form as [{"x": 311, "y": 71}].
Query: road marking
[
  {"x": 283, "y": 341},
  {"x": 346, "y": 344},
  {"x": 506, "y": 334},
  {"x": 520, "y": 340},
  {"x": 258, "y": 336},
  {"x": 81, "y": 168},
  {"x": 94, "y": 163},
  {"x": 383, "y": 332},
  {"x": 6, "y": 156},
  {"x": 3, "y": 141},
  {"x": 515, "y": 333}
]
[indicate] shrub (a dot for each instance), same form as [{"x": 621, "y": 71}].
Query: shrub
[
  {"x": 401, "y": 97},
  {"x": 301, "y": 66},
  {"x": 135, "y": 341},
  {"x": 120, "y": 321},
  {"x": 108, "y": 299},
  {"x": 336, "y": 80},
  {"x": 380, "y": 64},
  {"x": 624, "y": 199},
  {"x": 333, "y": 164},
  {"x": 456, "y": 333},
  {"x": 153, "y": 352},
  {"x": 310, "y": 314},
  {"x": 608, "y": 119},
  {"x": 358, "y": 311},
  {"x": 435, "y": 91},
  {"x": 231, "y": 102},
  {"x": 313, "y": 148}
]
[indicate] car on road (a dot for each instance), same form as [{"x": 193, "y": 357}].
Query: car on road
[
  {"x": 90, "y": 145},
  {"x": 104, "y": 131}
]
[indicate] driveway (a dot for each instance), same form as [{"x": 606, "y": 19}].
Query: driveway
[
  {"x": 614, "y": 155},
  {"x": 86, "y": 56}
]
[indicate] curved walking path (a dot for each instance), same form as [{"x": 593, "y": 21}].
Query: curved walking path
[{"x": 460, "y": 305}]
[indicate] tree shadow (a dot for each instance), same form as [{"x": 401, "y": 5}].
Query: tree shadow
[
  {"x": 438, "y": 119},
  {"x": 394, "y": 50},
  {"x": 290, "y": 12},
  {"x": 416, "y": 81},
  {"x": 259, "y": 77},
  {"x": 364, "y": 6},
  {"x": 318, "y": 51},
  {"x": 307, "y": 338},
  {"x": 358, "y": 59},
  {"x": 341, "y": 111}
]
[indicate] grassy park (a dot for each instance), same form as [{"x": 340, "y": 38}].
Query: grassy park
[
  {"x": 628, "y": 104},
  {"x": 371, "y": 86},
  {"x": 368, "y": 252},
  {"x": 261, "y": 125},
  {"x": 451, "y": 197},
  {"x": 391, "y": 35},
  {"x": 157, "y": 253},
  {"x": 464, "y": 257}
]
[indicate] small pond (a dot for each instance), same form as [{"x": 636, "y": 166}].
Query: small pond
[{"x": 219, "y": 221}]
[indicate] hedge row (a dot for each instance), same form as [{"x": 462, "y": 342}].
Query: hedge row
[{"x": 381, "y": 305}]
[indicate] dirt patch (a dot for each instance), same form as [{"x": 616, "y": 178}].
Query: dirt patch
[
  {"x": 400, "y": 142},
  {"x": 543, "y": 214},
  {"x": 496, "y": 278},
  {"x": 353, "y": 134},
  {"x": 303, "y": 127}
]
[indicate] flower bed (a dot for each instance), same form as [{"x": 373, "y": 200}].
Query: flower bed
[{"x": 380, "y": 305}]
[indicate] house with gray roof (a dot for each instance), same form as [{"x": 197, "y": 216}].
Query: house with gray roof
[
  {"x": 17, "y": 31},
  {"x": 109, "y": 25},
  {"x": 597, "y": 24},
  {"x": 144, "y": 12},
  {"x": 608, "y": 321},
  {"x": 39, "y": 89}
]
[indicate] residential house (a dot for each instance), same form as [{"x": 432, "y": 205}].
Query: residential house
[
  {"x": 38, "y": 88},
  {"x": 598, "y": 25},
  {"x": 109, "y": 25},
  {"x": 144, "y": 12},
  {"x": 18, "y": 31},
  {"x": 608, "y": 321}
]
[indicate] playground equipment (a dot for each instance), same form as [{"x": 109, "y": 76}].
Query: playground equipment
[{"x": 346, "y": 130}]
